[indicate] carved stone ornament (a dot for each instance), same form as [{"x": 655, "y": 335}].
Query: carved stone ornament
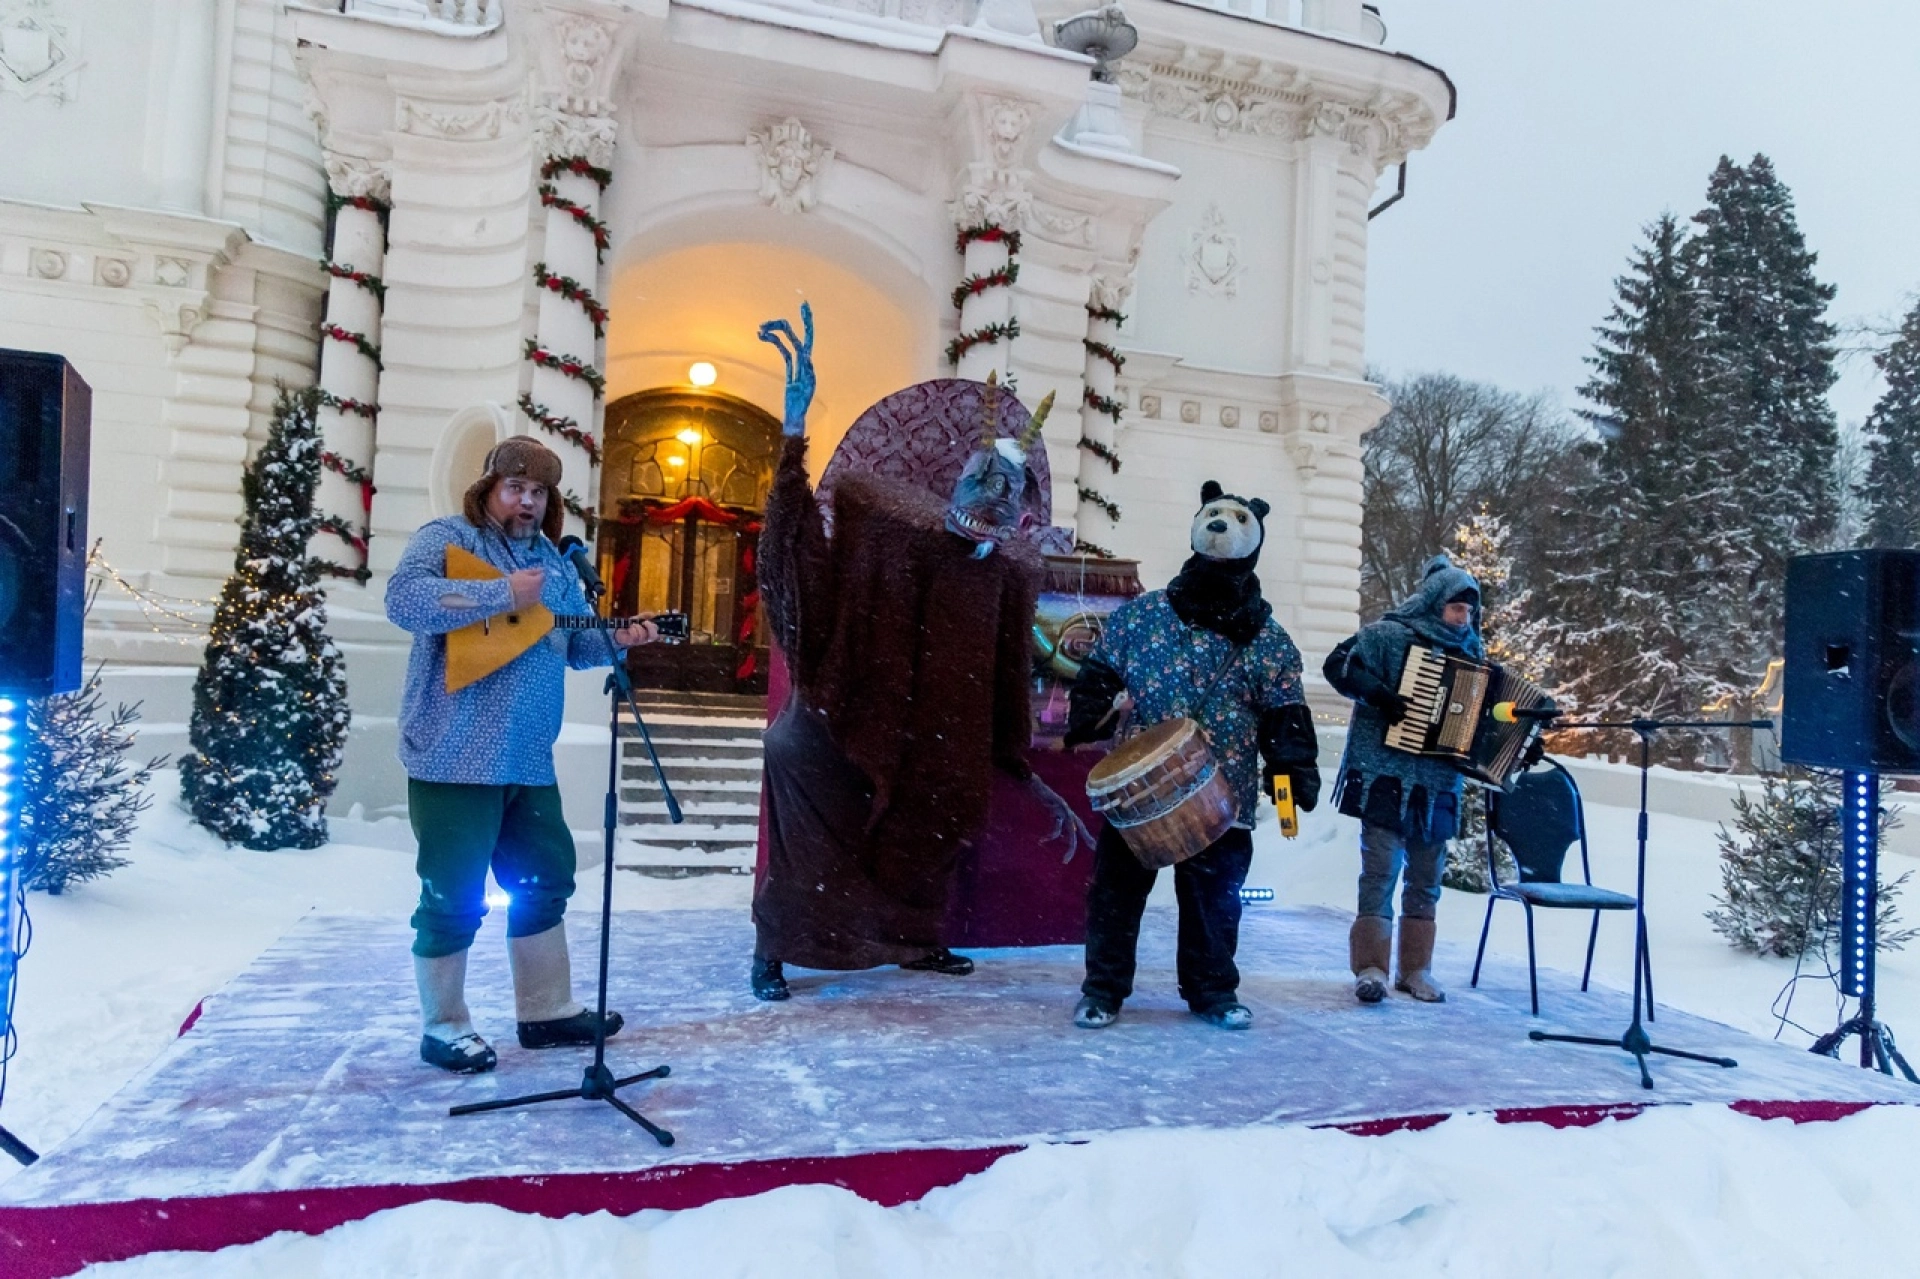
[
  {"x": 177, "y": 314},
  {"x": 791, "y": 160},
  {"x": 172, "y": 273},
  {"x": 1062, "y": 226},
  {"x": 48, "y": 264},
  {"x": 114, "y": 273},
  {"x": 1230, "y": 416},
  {"x": 567, "y": 133},
  {"x": 583, "y": 43},
  {"x": 1189, "y": 411},
  {"x": 39, "y": 50},
  {"x": 1150, "y": 406},
  {"x": 989, "y": 196},
  {"x": 1269, "y": 421},
  {"x": 1213, "y": 256},
  {"x": 1111, "y": 289},
  {"x": 354, "y": 177},
  {"x": 458, "y": 122},
  {"x": 1006, "y": 127}
]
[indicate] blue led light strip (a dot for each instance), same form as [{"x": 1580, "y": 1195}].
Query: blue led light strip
[
  {"x": 13, "y": 732},
  {"x": 1859, "y": 888}
]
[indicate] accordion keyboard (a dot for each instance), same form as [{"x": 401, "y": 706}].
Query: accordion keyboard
[{"x": 1420, "y": 682}]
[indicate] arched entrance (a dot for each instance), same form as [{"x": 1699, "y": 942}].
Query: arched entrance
[{"x": 684, "y": 484}]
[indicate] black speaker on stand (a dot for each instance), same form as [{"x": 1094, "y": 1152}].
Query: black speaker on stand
[
  {"x": 1852, "y": 702},
  {"x": 45, "y": 412}
]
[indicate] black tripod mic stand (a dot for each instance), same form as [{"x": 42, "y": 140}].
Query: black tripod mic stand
[
  {"x": 599, "y": 1082},
  {"x": 1635, "y": 1039}
]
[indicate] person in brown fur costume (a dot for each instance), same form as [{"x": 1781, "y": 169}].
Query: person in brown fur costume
[{"x": 906, "y": 635}]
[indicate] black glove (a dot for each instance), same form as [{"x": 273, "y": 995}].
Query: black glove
[
  {"x": 1535, "y": 752},
  {"x": 1389, "y": 703},
  {"x": 1090, "y": 703},
  {"x": 1304, "y": 779}
]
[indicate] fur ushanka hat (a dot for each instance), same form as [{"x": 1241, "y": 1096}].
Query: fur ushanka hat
[{"x": 527, "y": 458}]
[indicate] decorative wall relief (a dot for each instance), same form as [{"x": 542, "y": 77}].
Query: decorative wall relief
[
  {"x": 1213, "y": 256},
  {"x": 1269, "y": 421},
  {"x": 48, "y": 264},
  {"x": 790, "y": 162},
  {"x": 457, "y": 122},
  {"x": 1230, "y": 416},
  {"x": 1150, "y": 406},
  {"x": 1189, "y": 411},
  {"x": 39, "y": 50}
]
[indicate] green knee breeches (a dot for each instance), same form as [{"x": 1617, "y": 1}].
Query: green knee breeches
[{"x": 517, "y": 831}]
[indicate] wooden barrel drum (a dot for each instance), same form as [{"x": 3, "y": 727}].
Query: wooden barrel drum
[{"x": 1164, "y": 792}]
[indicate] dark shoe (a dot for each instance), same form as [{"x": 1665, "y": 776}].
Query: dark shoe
[
  {"x": 941, "y": 961},
  {"x": 567, "y": 1032},
  {"x": 1094, "y": 1014},
  {"x": 1227, "y": 1016},
  {"x": 467, "y": 1055},
  {"x": 769, "y": 982},
  {"x": 1370, "y": 986}
]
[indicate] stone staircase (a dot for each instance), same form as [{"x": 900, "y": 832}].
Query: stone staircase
[{"x": 709, "y": 745}]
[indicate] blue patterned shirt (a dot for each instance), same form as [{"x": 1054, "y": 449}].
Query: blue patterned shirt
[
  {"x": 500, "y": 730},
  {"x": 1167, "y": 665}
]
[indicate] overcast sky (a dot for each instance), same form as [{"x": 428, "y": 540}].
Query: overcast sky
[{"x": 1579, "y": 121}]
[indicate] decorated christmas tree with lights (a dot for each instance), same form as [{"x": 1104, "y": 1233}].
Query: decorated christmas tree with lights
[{"x": 270, "y": 704}]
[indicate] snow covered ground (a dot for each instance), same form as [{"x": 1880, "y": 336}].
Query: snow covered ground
[{"x": 119, "y": 964}]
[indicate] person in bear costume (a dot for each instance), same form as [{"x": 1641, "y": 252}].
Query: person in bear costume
[
  {"x": 1207, "y": 647},
  {"x": 1408, "y": 805}
]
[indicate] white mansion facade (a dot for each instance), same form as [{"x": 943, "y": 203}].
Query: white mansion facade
[{"x": 470, "y": 218}]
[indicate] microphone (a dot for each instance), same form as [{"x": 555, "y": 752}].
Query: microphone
[
  {"x": 1508, "y": 713},
  {"x": 576, "y": 551}
]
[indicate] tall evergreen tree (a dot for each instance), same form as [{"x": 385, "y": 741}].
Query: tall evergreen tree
[
  {"x": 1650, "y": 542},
  {"x": 1891, "y": 492},
  {"x": 1773, "y": 352},
  {"x": 270, "y": 706}
]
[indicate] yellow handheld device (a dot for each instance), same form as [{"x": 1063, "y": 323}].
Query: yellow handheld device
[{"x": 1283, "y": 804}]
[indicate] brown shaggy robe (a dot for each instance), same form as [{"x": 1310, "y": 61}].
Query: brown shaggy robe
[{"x": 909, "y": 661}]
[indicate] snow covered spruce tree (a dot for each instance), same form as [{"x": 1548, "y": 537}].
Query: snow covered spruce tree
[
  {"x": 1653, "y": 555},
  {"x": 1780, "y": 869},
  {"x": 81, "y": 798},
  {"x": 269, "y": 706},
  {"x": 1513, "y": 640},
  {"x": 1773, "y": 354},
  {"x": 1891, "y": 491}
]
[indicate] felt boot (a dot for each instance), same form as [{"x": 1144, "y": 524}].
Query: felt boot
[
  {"x": 548, "y": 1014},
  {"x": 1415, "y": 973},
  {"x": 1093, "y": 1014},
  {"x": 769, "y": 980},
  {"x": 941, "y": 960},
  {"x": 1231, "y": 1015},
  {"x": 1369, "y": 953},
  {"x": 447, "y": 1038}
]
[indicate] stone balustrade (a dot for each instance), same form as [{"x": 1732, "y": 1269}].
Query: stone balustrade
[{"x": 481, "y": 15}]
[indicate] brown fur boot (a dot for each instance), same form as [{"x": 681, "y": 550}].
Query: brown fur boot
[
  {"x": 1416, "y": 962},
  {"x": 1369, "y": 953}
]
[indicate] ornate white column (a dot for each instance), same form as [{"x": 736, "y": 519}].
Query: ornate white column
[
  {"x": 1097, "y": 512},
  {"x": 988, "y": 211},
  {"x": 359, "y": 192},
  {"x": 575, "y": 137}
]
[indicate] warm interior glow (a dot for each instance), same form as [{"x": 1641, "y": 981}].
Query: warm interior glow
[
  {"x": 689, "y": 437},
  {"x": 703, "y": 374},
  {"x": 676, "y": 461}
]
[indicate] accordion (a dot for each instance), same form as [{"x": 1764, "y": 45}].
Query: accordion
[{"x": 1450, "y": 704}]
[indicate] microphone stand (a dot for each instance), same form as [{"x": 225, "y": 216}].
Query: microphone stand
[
  {"x": 1635, "y": 1039},
  {"x": 599, "y": 1082}
]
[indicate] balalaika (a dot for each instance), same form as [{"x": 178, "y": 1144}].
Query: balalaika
[
  {"x": 1450, "y": 704},
  {"x": 477, "y": 651}
]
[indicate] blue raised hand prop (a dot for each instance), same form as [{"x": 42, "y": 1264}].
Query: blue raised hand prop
[{"x": 797, "y": 354}]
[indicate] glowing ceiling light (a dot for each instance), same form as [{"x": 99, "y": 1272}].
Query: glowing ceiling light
[
  {"x": 703, "y": 374},
  {"x": 689, "y": 437}
]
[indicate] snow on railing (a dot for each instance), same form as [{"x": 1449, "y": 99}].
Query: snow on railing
[
  {"x": 1349, "y": 18},
  {"x": 480, "y": 15}
]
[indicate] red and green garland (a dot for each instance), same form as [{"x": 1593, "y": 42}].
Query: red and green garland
[
  {"x": 602, "y": 239},
  {"x": 1102, "y": 403},
  {"x": 1100, "y": 350},
  {"x": 358, "y": 341},
  {"x": 1084, "y": 547},
  {"x": 371, "y": 283},
  {"x": 975, "y": 285},
  {"x": 589, "y": 518},
  {"x": 337, "y": 202},
  {"x": 564, "y": 427},
  {"x": 1101, "y": 500},
  {"x": 1099, "y": 312},
  {"x": 577, "y": 165},
  {"x": 347, "y": 404},
  {"x": 570, "y": 365},
  {"x": 985, "y": 335},
  {"x": 573, "y": 291},
  {"x": 346, "y": 533},
  {"x": 1102, "y": 452}
]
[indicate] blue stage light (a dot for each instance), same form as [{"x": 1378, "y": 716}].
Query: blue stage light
[
  {"x": 1256, "y": 894},
  {"x": 1859, "y": 857},
  {"x": 10, "y": 747}
]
